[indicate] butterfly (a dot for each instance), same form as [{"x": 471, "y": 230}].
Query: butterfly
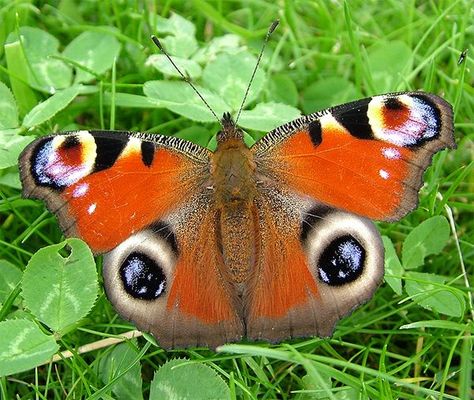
[{"x": 265, "y": 242}]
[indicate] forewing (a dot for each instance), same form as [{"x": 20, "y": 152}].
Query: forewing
[
  {"x": 366, "y": 157},
  {"x": 104, "y": 186}
]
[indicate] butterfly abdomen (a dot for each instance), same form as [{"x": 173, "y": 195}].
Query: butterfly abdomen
[{"x": 236, "y": 238}]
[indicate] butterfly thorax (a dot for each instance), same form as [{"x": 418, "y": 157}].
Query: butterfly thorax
[
  {"x": 233, "y": 171},
  {"x": 233, "y": 168}
]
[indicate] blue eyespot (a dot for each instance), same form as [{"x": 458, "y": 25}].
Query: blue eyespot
[
  {"x": 142, "y": 277},
  {"x": 342, "y": 261}
]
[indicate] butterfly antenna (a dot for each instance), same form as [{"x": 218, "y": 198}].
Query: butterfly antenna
[
  {"x": 267, "y": 37},
  {"x": 186, "y": 79}
]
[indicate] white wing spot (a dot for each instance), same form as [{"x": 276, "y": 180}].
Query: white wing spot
[
  {"x": 341, "y": 274},
  {"x": 384, "y": 174},
  {"x": 323, "y": 275},
  {"x": 80, "y": 190},
  {"x": 391, "y": 153},
  {"x": 92, "y": 208}
]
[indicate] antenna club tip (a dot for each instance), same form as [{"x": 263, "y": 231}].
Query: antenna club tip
[
  {"x": 157, "y": 42},
  {"x": 273, "y": 26}
]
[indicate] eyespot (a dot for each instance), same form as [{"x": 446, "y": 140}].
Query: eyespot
[
  {"x": 404, "y": 119},
  {"x": 62, "y": 160},
  {"x": 342, "y": 261},
  {"x": 142, "y": 277},
  {"x": 345, "y": 252}
]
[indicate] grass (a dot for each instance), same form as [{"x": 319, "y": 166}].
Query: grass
[{"x": 322, "y": 54}]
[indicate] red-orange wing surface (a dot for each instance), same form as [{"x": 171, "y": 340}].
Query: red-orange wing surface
[
  {"x": 144, "y": 200},
  {"x": 104, "y": 186},
  {"x": 366, "y": 157},
  {"x": 317, "y": 261}
]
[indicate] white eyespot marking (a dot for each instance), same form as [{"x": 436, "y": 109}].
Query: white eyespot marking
[
  {"x": 323, "y": 275},
  {"x": 80, "y": 190},
  {"x": 342, "y": 274},
  {"x": 391, "y": 153},
  {"x": 384, "y": 174},
  {"x": 133, "y": 146},
  {"x": 92, "y": 208},
  {"x": 348, "y": 250},
  {"x": 59, "y": 164},
  {"x": 421, "y": 123}
]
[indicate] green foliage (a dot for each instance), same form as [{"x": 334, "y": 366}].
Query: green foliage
[
  {"x": 189, "y": 68},
  {"x": 94, "y": 52},
  {"x": 430, "y": 237},
  {"x": 228, "y": 76},
  {"x": 59, "y": 289},
  {"x": 328, "y": 92},
  {"x": 428, "y": 290},
  {"x": 18, "y": 68},
  {"x": 10, "y": 277},
  {"x": 8, "y": 108},
  {"x": 180, "y": 98},
  {"x": 393, "y": 266},
  {"x": 283, "y": 90},
  {"x": 264, "y": 116},
  {"x": 45, "y": 72},
  {"x": 11, "y": 144},
  {"x": 181, "y": 40},
  {"x": 23, "y": 346},
  {"x": 180, "y": 379},
  {"x": 388, "y": 63},
  {"x": 431, "y": 292},
  {"x": 50, "y": 107},
  {"x": 118, "y": 369},
  {"x": 56, "y": 64}
]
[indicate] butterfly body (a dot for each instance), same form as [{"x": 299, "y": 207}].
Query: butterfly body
[{"x": 268, "y": 242}]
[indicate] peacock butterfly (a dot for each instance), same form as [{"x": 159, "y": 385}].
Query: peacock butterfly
[{"x": 267, "y": 242}]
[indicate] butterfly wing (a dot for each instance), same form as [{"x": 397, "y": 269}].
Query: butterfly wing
[
  {"x": 317, "y": 260},
  {"x": 143, "y": 200},
  {"x": 315, "y": 265},
  {"x": 104, "y": 186},
  {"x": 367, "y": 157},
  {"x": 170, "y": 280}
]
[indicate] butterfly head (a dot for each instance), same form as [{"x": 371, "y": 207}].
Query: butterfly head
[{"x": 229, "y": 130}]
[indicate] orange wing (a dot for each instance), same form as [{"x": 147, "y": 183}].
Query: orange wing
[
  {"x": 142, "y": 199},
  {"x": 104, "y": 186},
  {"x": 170, "y": 280},
  {"x": 315, "y": 265},
  {"x": 316, "y": 260},
  {"x": 365, "y": 157}
]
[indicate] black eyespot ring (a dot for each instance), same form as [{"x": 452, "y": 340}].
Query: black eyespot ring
[
  {"x": 342, "y": 261},
  {"x": 142, "y": 277}
]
